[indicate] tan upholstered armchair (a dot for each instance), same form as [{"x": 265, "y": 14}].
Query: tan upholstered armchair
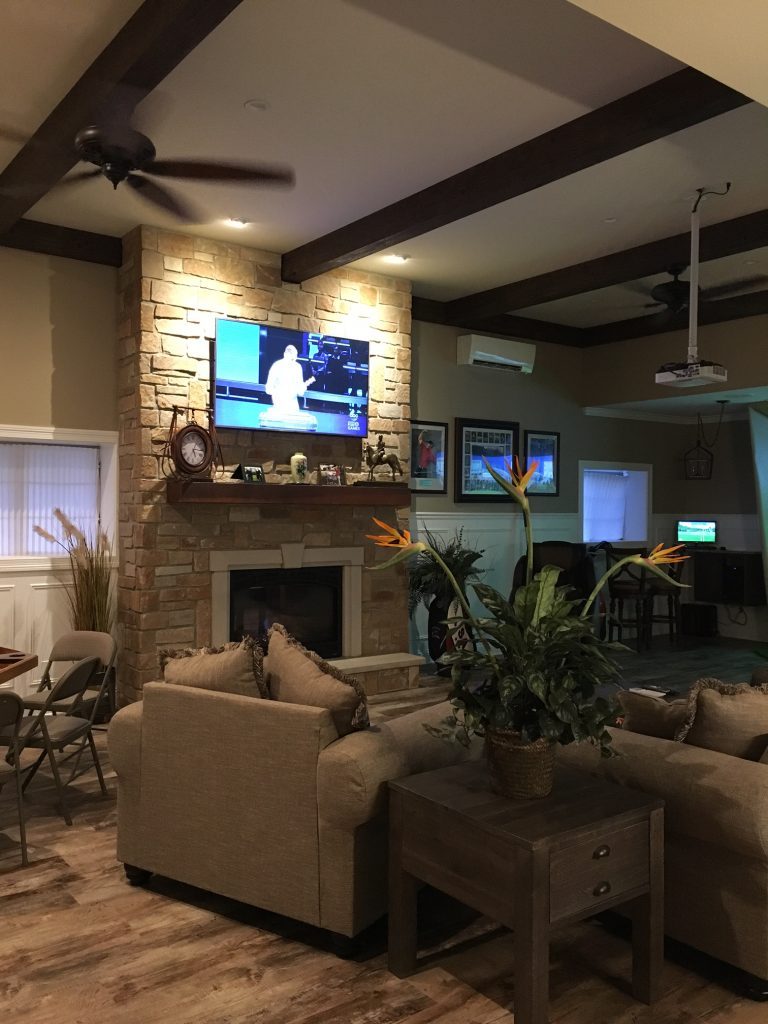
[{"x": 260, "y": 801}]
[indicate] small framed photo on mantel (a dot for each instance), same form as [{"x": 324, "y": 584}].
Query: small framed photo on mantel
[
  {"x": 543, "y": 448},
  {"x": 330, "y": 475},
  {"x": 429, "y": 457},
  {"x": 477, "y": 441}
]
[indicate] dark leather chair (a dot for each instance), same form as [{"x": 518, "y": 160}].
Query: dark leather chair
[{"x": 578, "y": 572}]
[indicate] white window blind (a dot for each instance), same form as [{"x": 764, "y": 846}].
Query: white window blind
[
  {"x": 605, "y": 505},
  {"x": 34, "y": 480}
]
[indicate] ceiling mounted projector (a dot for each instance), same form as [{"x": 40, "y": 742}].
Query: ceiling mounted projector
[
  {"x": 694, "y": 372},
  {"x": 691, "y": 375}
]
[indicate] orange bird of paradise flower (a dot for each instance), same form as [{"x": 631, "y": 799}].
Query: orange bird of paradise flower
[{"x": 665, "y": 556}]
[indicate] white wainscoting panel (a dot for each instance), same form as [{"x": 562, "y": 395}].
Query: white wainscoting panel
[
  {"x": 502, "y": 537},
  {"x": 33, "y": 611}
]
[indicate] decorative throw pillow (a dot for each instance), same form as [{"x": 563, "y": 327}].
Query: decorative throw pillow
[
  {"x": 233, "y": 668},
  {"x": 728, "y": 717},
  {"x": 652, "y": 716},
  {"x": 299, "y": 676}
]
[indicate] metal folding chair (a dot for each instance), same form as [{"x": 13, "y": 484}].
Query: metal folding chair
[
  {"x": 75, "y": 646},
  {"x": 11, "y": 714},
  {"x": 41, "y": 730}
]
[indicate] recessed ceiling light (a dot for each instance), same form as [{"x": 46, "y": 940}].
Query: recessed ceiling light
[
  {"x": 256, "y": 104},
  {"x": 395, "y": 258},
  {"x": 235, "y": 222}
]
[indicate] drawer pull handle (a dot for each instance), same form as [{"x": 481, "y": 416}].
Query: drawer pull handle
[
  {"x": 602, "y": 889},
  {"x": 602, "y": 851}
]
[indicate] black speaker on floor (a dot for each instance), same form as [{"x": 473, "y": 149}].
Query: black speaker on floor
[
  {"x": 729, "y": 577},
  {"x": 698, "y": 619}
]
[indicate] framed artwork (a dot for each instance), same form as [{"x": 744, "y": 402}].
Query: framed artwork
[
  {"x": 543, "y": 446},
  {"x": 429, "y": 457},
  {"x": 249, "y": 474},
  {"x": 330, "y": 475},
  {"x": 494, "y": 440}
]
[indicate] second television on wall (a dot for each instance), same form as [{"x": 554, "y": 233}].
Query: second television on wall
[{"x": 273, "y": 378}]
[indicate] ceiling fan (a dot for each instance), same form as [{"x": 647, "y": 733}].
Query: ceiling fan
[
  {"x": 675, "y": 294},
  {"x": 120, "y": 153}
]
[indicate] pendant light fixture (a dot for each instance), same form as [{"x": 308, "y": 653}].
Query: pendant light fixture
[{"x": 700, "y": 459}]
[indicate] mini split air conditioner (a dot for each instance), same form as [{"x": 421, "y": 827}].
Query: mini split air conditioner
[{"x": 495, "y": 353}]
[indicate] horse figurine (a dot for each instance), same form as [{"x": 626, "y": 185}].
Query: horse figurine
[{"x": 380, "y": 457}]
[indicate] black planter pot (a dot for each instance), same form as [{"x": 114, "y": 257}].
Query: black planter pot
[{"x": 437, "y": 631}]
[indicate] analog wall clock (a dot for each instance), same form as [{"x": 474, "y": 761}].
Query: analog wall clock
[{"x": 192, "y": 450}]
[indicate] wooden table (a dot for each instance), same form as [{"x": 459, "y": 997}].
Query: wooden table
[
  {"x": 10, "y": 669},
  {"x": 530, "y": 864}
]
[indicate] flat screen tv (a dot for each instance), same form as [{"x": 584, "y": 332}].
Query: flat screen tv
[
  {"x": 696, "y": 531},
  {"x": 274, "y": 378}
]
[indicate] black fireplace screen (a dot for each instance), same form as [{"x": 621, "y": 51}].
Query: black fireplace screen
[{"x": 306, "y": 601}]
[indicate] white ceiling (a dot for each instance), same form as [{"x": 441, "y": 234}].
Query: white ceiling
[
  {"x": 372, "y": 100},
  {"x": 686, "y": 407},
  {"x": 726, "y": 41}
]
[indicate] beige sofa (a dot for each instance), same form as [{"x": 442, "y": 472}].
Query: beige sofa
[
  {"x": 260, "y": 801},
  {"x": 716, "y": 849}
]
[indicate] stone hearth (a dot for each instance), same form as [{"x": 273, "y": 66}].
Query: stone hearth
[{"x": 173, "y": 287}]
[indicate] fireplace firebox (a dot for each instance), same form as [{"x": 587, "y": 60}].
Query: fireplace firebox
[{"x": 307, "y": 601}]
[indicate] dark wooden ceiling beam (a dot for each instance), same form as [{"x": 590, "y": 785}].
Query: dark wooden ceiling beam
[
  {"x": 724, "y": 239},
  {"x": 434, "y": 312},
  {"x": 737, "y": 308},
  {"x": 54, "y": 240},
  {"x": 678, "y": 101},
  {"x": 148, "y": 47}
]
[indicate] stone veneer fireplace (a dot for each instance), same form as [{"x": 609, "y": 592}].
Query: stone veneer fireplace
[{"x": 172, "y": 288}]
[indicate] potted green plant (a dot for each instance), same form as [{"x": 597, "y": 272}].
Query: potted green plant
[
  {"x": 428, "y": 584},
  {"x": 90, "y": 596},
  {"x": 531, "y": 679}
]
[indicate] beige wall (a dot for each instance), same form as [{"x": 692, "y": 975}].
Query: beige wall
[
  {"x": 623, "y": 371},
  {"x": 550, "y": 399},
  {"x": 58, "y": 342}
]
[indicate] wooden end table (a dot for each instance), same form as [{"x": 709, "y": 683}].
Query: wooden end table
[
  {"x": 532, "y": 865},
  {"x": 18, "y": 666}
]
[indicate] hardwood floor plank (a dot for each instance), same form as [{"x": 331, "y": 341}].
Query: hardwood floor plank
[{"x": 80, "y": 946}]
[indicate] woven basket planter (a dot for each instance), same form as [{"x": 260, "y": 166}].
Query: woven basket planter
[{"x": 519, "y": 769}]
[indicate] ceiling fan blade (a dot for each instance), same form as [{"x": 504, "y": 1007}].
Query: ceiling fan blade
[
  {"x": 724, "y": 291},
  {"x": 204, "y": 170},
  {"x": 31, "y": 189},
  {"x": 161, "y": 197},
  {"x": 74, "y": 179},
  {"x": 637, "y": 289}
]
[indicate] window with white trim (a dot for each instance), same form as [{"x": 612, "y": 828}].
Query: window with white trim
[
  {"x": 615, "y": 504},
  {"x": 35, "y": 479}
]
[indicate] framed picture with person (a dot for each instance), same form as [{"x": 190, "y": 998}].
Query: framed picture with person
[{"x": 429, "y": 457}]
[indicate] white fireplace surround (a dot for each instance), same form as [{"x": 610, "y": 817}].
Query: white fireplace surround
[{"x": 292, "y": 556}]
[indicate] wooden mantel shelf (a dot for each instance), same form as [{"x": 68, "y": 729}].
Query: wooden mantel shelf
[{"x": 212, "y": 492}]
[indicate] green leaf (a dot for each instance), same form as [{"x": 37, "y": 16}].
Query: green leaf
[{"x": 547, "y": 580}]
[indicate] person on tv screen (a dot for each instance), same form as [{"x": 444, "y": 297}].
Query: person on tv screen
[{"x": 286, "y": 384}]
